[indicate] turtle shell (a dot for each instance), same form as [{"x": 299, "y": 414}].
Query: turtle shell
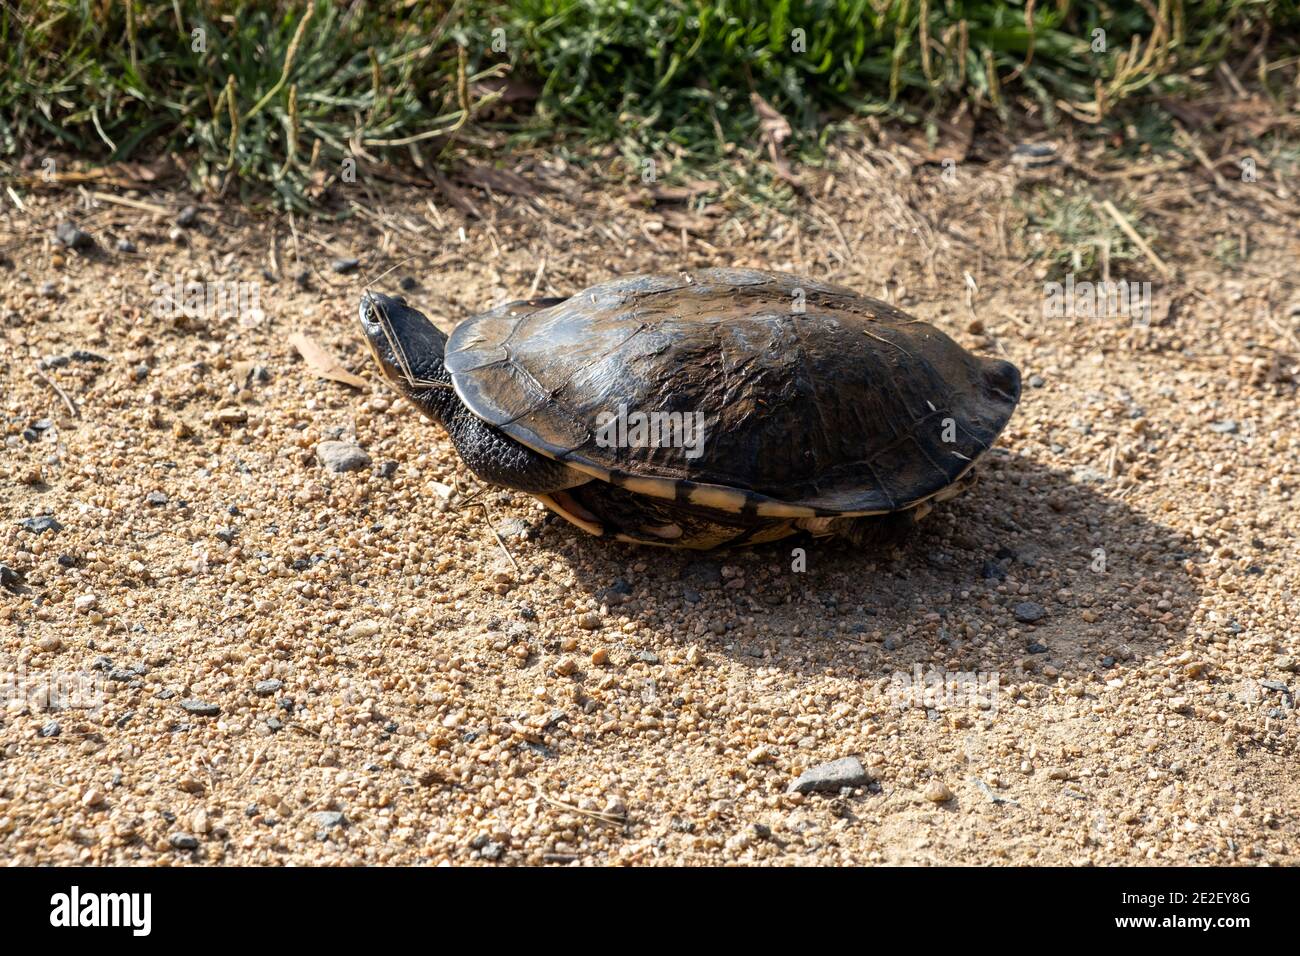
[{"x": 815, "y": 400}]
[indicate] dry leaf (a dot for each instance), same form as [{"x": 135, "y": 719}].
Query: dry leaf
[
  {"x": 675, "y": 194},
  {"x": 322, "y": 363},
  {"x": 952, "y": 141},
  {"x": 455, "y": 195},
  {"x": 775, "y": 130},
  {"x": 696, "y": 225},
  {"x": 502, "y": 180}
]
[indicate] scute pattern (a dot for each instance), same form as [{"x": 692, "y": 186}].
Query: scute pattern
[{"x": 849, "y": 407}]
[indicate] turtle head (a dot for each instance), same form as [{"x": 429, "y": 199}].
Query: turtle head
[{"x": 408, "y": 349}]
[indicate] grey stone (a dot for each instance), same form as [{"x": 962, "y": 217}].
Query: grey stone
[
  {"x": 1027, "y": 612},
  {"x": 341, "y": 456},
  {"x": 40, "y": 524},
  {"x": 831, "y": 777},
  {"x": 200, "y": 708},
  {"x": 72, "y": 236},
  {"x": 265, "y": 688}
]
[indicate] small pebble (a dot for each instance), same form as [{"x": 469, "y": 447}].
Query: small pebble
[
  {"x": 1027, "y": 612},
  {"x": 831, "y": 777},
  {"x": 72, "y": 236},
  {"x": 341, "y": 456},
  {"x": 200, "y": 708},
  {"x": 936, "y": 791}
]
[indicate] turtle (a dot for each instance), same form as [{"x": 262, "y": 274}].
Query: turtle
[{"x": 704, "y": 409}]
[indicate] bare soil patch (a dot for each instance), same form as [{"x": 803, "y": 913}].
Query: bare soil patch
[{"x": 380, "y": 680}]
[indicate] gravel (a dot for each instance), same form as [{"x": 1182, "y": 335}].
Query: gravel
[{"x": 423, "y": 655}]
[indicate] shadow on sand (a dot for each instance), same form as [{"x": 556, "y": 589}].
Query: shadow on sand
[{"x": 1112, "y": 585}]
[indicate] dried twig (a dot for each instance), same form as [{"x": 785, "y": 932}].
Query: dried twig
[
  {"x": 492, "y": 528},
  {"x": 1132, "y": 233},
  {"x": 67, "y": 400},
  {"x": 609, "y": 819}
]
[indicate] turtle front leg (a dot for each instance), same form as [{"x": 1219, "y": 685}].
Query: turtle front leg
[{"x": 500, "y": 460}]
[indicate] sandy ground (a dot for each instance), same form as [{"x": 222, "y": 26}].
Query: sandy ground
[{"x": 298, "y": 666}]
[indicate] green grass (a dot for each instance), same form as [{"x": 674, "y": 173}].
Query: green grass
[
  {"x": 1070, "y": 232},
  {"x": 246, "y": 93},
  {"x": 384, "y": 82}
]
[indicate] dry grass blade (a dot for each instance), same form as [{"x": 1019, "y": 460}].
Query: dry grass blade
[
  {"x": 1124, "y": 224},
  {"x": 609, "y": 819},
  {"x": 67, "y": 399},
  {"x": 501, "y": 180}
]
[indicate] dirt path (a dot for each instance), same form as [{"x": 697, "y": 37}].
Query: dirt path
[{"x": 371, "y": 677}]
